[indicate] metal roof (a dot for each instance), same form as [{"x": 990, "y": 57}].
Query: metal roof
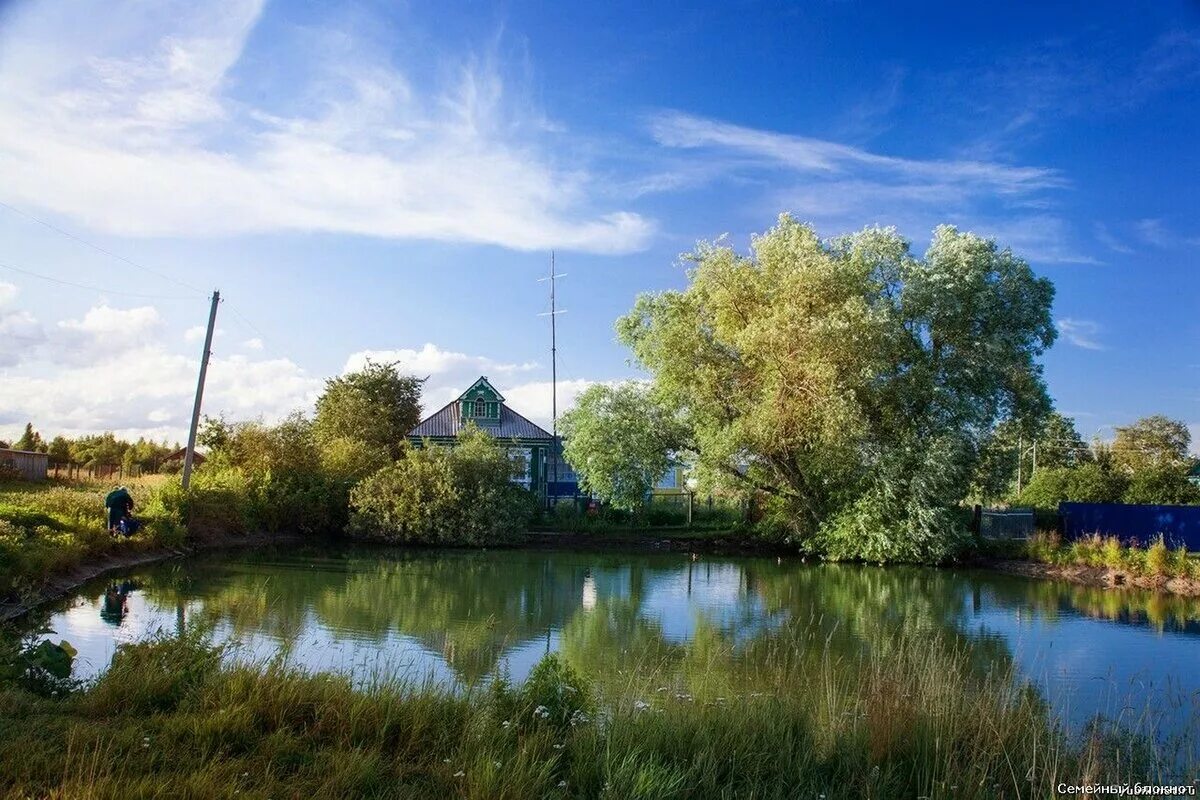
[{"x": 447, "y": 422}]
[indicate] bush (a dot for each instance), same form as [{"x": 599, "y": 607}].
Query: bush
[
  {"x": 1162, "y": 485},
  {"x": 1086, "y": 483},
  {"x": 1158, "y": 561},
  {"x": 444, "y": 495}
]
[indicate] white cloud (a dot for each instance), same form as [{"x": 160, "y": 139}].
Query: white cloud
[
  {"x": 805, "y": 154},
  {"x": 534, "y": 400},
  {"x": 253, "y": 344},
  {"x": 1106, "y": 238},
  {"x": 136, "y": 132},
  {"x": 195, "y": 334},
  {"x": 108, "y": 370},
  {"x": 1080, "y": 332},
  {"x": 1154, "y": 232},
  {"x": 449, "y": 372},
  {"x": 840, "y": 187}
]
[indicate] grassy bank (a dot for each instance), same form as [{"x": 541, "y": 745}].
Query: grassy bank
[
  {"x": 52, "y": 527},
  {"x": 909, "y": 720},
  {"x": 1155, "y": 560}
]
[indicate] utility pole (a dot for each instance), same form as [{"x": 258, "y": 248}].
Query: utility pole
[
  {"x": 190, "y": 453},
  {"x": 554, "y": 312},
  {"x": 1020, "y": 455}
]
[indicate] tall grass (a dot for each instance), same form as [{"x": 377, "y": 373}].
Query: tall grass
[
  {"x": 912, "y": 719},
  {"x": 48, "y": 528},
  {"x": 1157, "y": 560}
]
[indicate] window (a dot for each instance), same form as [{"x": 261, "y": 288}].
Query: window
[{"x": 479, "y": 407}]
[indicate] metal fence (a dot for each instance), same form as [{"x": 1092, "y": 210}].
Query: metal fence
[
  {"x": 1011, "y": 523},
  {"x": 1142, "y": 523}
]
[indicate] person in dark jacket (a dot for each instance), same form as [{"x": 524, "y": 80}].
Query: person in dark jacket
[{"x": 119, "y": 504}]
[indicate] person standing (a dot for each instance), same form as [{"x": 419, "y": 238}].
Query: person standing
[{"x": 119, "y": 504}]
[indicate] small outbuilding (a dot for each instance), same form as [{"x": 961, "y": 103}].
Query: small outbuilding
[{"x": 29, "y": 464}]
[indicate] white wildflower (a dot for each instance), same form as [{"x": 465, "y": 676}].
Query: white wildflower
[
  {"x": 640, "y": 705},
  {"x": 459, "y": 774}
]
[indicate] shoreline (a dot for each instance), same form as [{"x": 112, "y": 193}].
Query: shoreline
[
  {"x": 58, "y": 586},
  {"x": 1095, "y": 577},
  {"x": 718, "y": 543}
]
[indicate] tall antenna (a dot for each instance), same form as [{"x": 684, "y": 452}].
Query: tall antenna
[{"x": 554, "y": 312}]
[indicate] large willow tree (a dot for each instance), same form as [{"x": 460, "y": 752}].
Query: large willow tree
[{"x": 848, "y": 381}]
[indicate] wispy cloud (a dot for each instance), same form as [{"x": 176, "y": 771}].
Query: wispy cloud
[
  {"x": 1154, "y": 232},
  {"x": 141, "y": 132},
  {"x": 840, "y": 186},
  {"x": 1080, "y": 332},
  {"x": 1105, "y": 237},
  {"x": 675, "y": 129}
]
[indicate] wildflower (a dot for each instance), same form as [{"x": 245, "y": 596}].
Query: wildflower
[
  {"x": 558, "y": 747},
  {"x": 661, "y": 689},
  {"x": 640, "y": 705},
  {"x": 497, "y": 765},
  {"x": 445, "y": 761},
  {"x": 541, "y": 711},
  {"x": 505, "y": 724},
  {"x": 459, "y": 774},
  {"x": 562, "y": 784}
]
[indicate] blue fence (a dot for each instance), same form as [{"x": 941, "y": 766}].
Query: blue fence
[{"x": 1179, "y": 524}]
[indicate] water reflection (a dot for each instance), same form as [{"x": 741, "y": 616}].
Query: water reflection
[{"x": 460, "y": 617}]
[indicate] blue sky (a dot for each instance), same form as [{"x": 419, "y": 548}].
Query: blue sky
[{"x": 383, "y": 179}]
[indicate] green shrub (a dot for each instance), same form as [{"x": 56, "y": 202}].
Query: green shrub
[
  {"x": 1086, "y": 483},
  {"x": 444, "y": 495},
  {"x": 1161, "y": 485},
  {"x": 1158, "y": 558}
]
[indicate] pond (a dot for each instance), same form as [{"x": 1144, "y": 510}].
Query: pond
[{"x": 459, "y": 617}]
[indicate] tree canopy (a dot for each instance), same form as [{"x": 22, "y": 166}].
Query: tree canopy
[
  {"x": 623, "y": 439},
  {"x": 1154, "y": 441},
  {"x": 848, "y": 381},
  {"x": 375, "y": 405}
]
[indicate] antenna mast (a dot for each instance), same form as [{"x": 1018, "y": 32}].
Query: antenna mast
[{"x": 554, "y": 312}]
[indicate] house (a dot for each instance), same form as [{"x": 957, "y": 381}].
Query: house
[
  {"x": 175, "y": 460},
  {"x": 30, "y": 465},
  {"x": 1194, "y": 473},
  {"x": 483, "y": 405}
]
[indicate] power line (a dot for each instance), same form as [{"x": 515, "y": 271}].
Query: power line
[
  {"x": 100, "y": 249},
  {"x": 101, "y": 289}
]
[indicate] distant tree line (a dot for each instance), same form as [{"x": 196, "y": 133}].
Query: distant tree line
[
  {"x": 95, "y": 450},
  {"x": 1048, "y": 463}
]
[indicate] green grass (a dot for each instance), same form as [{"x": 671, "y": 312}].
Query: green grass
[
  {"x": 1156, "y": 560},
  {"x": 912, "y": 719},
  {"x": 48, "y": 528}
]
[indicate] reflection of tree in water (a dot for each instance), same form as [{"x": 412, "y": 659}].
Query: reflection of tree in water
[
  {"x": 785, "y": 626},
  {"x": 1137, "y": 607},
  {"x": 748, "y": 617}
]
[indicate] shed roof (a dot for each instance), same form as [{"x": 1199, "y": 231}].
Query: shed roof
[{"x": 448, "y": 422}]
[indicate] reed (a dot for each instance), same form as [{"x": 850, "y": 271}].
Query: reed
[{"x": 907, "y": 718}]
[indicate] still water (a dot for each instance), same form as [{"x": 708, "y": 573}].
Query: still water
[{"x": 459, "y": 617}]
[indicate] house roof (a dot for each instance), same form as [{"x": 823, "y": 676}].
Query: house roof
[
  {"x": 447, "y": 422},
  {"x": 487, "y": 384}
]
